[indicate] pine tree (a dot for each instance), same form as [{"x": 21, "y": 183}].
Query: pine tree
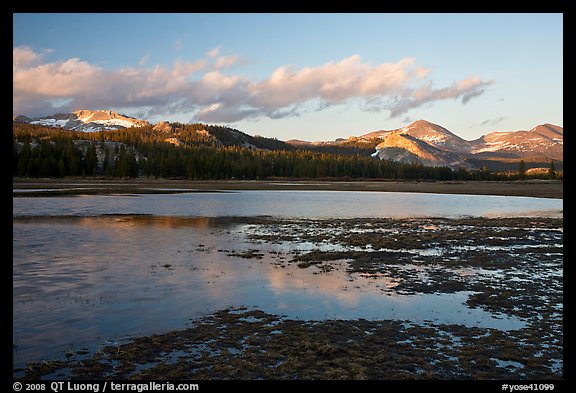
[
  {"x": 552, "y": 171},
  {"x": 521, "y": 169}
]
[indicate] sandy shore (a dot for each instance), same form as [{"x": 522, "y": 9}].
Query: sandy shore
[{"x": 530, "y": 188}]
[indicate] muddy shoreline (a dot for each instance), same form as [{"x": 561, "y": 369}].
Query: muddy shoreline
[
  {"x": 75, "y": 186},
  {"x": 510, "y": 267},
  {"x": 250, "y": 344}
]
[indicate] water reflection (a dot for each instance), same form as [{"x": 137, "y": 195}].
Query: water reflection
[
  {"x": 79, "y": 281},
  {"x": 310, "y": 204},
  {"x": 130, "y": 221}
]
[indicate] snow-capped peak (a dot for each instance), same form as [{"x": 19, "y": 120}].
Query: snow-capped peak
[
  {"x": 422, "y": 137},
  {"x": 88, "y": 120}
]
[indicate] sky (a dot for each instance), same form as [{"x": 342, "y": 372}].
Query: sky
[{"x": 296, "y": 76}]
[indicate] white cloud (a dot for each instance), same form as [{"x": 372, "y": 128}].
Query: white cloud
[
  {"x": 200, "y": 88},
  {"x": 144, "y": 59},
  {"x": 24, "y": 56},
  {"x": 226, "y": 61},
  {"x": 214, "y": 52}
]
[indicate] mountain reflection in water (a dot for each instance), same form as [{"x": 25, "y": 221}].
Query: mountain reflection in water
[{"x": 91, "y": 269}]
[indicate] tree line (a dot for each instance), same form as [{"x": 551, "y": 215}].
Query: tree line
[{"x": 47, "y": 152}]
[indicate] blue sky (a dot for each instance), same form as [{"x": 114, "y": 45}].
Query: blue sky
[{"x": 296, "y": 76}]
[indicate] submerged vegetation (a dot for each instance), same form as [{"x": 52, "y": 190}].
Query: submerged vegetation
[
  {"x": 250, "y": 344},
  {"x": 511, "y": 268},
  {"x": 204, "y": 152}
]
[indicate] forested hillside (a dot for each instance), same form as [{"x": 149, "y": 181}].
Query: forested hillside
[{"x": 200, "y": 151}]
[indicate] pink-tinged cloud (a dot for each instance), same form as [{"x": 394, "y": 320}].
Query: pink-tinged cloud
[
  {"x": 333, "y": 83},
  {"x": 226, "y": 61},
  {"x": 464, "y": 90},
  {"x": 214, "y": 52},
  {"x": 200, "y": 88},
  {"x": 24, "y": 56}
]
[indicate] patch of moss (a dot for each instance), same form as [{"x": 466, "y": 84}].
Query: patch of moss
[{"x": 244, "y": 348}]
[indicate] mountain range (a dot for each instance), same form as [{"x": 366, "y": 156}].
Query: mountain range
[
  {"x": 419, "y": 142},
  {"x": 433, "y": 145},
  {"x": 85, "y": 120}
]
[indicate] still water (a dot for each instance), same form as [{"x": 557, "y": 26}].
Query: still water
[
  {"x": 308, "y": 204},
  {"x": 83, "y": 275}
]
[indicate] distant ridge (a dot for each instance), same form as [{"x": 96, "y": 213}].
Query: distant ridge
[
  {"x": 85, "y": 120},
  {"x": 433, "y": 145},
  {"x": 420, "y": 142},
  {"x": 439, "y": 147}
]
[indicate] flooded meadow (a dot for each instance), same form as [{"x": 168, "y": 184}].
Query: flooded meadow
[{"x": 287, "y": 285}]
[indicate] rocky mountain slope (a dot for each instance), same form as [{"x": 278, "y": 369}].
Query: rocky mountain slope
[
  {"x": 85, "y": 120},
  {"x": 431, "y": 144},
  {"x": 419, "y": 142},
  {"x": 175, "y": 133},
  {"x": 404, "y": 147},
  {"x": 439, "y": 147},
  {"x": 545, "y": 140}
]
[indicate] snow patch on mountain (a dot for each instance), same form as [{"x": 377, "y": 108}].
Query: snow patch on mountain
[
  {"x": 402, "y": 146},
  {"x": 430, "y": 144},
  {"x": 86, "y": 120},
  {"x": 50, "y": 122}
]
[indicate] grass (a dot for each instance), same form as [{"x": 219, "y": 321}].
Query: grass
[
  {"x": 503, "y": 255},
  {"x": 239, "y": 344},
  {"x": 81, "y": 186}
]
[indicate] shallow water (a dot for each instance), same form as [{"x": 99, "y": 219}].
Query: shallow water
[
  {"x": 82, "y": 277},
  {"x": 308, "y": 204}
]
